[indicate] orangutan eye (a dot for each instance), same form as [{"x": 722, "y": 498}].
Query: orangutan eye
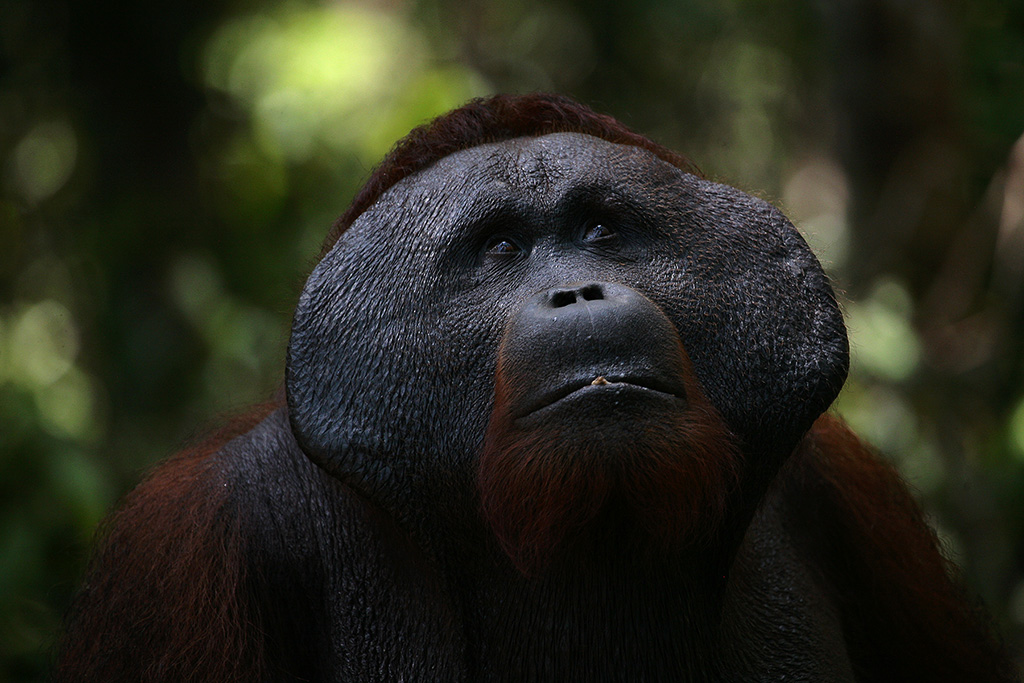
[
  {"x": 501, "y": 246},
  {"x": 598, "y": 232}
]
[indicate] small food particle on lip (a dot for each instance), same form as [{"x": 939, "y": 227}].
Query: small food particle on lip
[{"x": 599, "y": 381}]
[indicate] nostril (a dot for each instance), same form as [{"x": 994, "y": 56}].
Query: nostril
[
  {"x": 591, "y": 292},
  {"x": 567, "y": 296},
  {"x": 563, "y": 297}
]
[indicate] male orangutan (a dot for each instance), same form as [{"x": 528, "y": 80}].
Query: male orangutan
[{"x": 553, "y": 411}]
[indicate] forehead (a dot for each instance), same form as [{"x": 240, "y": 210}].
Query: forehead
[
  {"x": 547, "y": 157},
  {"x": 521, "y": 175},
  {"x": 540, "y": 164}
]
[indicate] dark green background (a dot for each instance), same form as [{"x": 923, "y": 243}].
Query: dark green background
[{"x": 168, "y": 169}]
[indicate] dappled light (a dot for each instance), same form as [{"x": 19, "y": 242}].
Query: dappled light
[
  {"x": 44, "y": 160},
  {"x": 338, "y": 78},
  {"x": 167, "y": 176},
  {"x": 882, "y": 339}
]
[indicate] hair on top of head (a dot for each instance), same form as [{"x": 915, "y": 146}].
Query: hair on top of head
[{"x": 486, "y": 120}]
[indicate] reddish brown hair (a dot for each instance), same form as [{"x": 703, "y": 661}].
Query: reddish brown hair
[
  {"x": 486, "y": 120},
  {"x": 166, "y": 595},
  {"x": 904, "y": 616},
  {"x": 540, "y": 487}
]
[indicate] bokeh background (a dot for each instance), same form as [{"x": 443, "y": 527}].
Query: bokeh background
[{"x": 168, "y": 170}]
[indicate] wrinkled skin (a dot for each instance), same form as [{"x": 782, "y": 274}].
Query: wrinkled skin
[
  {"x": 415, "y": 300},
  {"x": 408, "y": 303},
  {"x": 554, "y": 413}
]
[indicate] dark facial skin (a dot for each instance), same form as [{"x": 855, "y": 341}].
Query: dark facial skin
[
  {"x": 443, "y": 293},
  {"x": 554, "y": 413},
  {"x": 415, "y": 298}
]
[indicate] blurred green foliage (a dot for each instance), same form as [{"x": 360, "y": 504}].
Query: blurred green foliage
[{"x": 168, "y": 170}]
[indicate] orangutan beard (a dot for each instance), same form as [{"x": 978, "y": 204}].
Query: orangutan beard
[{"x": 541, "y": 488}]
